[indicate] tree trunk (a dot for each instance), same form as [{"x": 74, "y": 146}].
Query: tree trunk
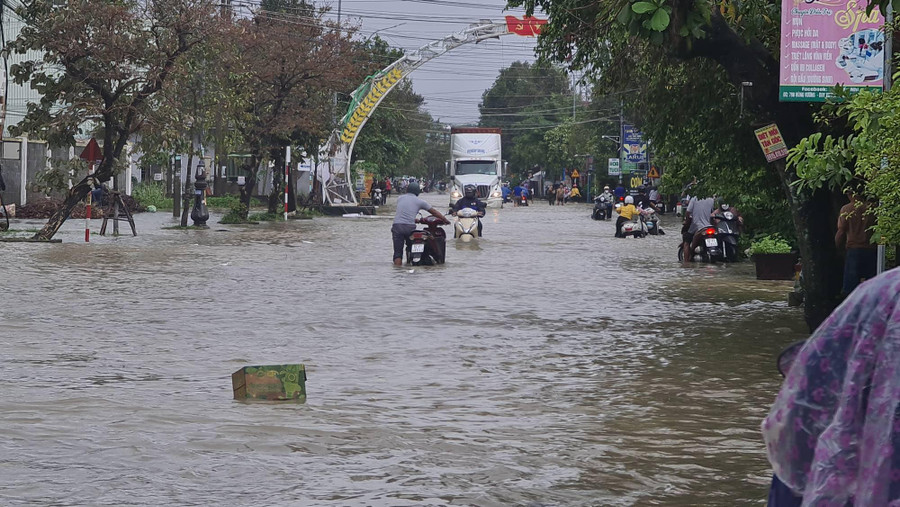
[
  {"x": 249, "y": 185},
  {"x": 814, "y": 223},
  {"x": 186, "y": 192},
  {"x": 276, "y": 197},
  {"x": 76, "y": 194}
]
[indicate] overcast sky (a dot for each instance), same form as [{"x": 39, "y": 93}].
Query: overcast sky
[{"x": 451, "y": 84}]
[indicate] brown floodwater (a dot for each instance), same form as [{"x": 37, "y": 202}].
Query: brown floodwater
[{"x": 548, "y": 364}]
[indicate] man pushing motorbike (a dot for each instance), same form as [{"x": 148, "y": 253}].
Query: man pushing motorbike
[
  {"x": 408, "y": 206},
  {"x": 696, "y": 218}
]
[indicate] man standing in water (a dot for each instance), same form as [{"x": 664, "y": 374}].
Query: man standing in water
[
  {"x": 854, "y": 228},
  {"x": 408, "y": 206}
]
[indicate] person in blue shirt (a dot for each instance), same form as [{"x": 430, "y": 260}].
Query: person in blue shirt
[
  {"x": 517, "y": 194},
  {"x": 505, "y": 190},
  {"x": 619, "y": 192}
]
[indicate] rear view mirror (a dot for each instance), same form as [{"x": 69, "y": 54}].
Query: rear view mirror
[{"x": 447, "y": 167}]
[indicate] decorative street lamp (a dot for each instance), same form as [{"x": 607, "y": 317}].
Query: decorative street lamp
[{"x": 199, "y": 214}]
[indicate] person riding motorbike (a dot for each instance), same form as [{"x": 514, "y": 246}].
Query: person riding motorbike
[
  {"x": 470, "y": 200},
  {"x": 726, "y": 207},
  {"x": 609, "y": 200},
  {"x": 626, "y": 214},
  {"x": 408, "y": 206},
  {"x": 642, "y": 200}
]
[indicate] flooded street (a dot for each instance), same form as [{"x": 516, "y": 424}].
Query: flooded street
[{"x": 548, "y": 364}]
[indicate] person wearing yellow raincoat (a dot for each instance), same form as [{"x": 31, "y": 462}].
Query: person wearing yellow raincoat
[{"x": 626, "y": 214}]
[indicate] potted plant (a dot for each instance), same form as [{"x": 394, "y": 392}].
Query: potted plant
[{"x": 774, "y": 258}]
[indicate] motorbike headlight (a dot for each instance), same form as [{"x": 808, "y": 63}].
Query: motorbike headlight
[{"x": 455, "y": 194}]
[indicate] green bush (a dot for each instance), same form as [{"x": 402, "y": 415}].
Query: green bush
[
  {"x": 769, "y": 244},
  {"x": 265, "y": 217},
  {"x": 151, "y": 194},
  {"x": 225, "y": 201},
  {"x": 235, "y": 214}
]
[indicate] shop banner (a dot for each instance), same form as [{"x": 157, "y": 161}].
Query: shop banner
[
  {"x": 634, "y": 148},
  {"x": 826, "y": 43},
  {"x": 613, "y": 167},
  {"x": 771, "y": 142}
]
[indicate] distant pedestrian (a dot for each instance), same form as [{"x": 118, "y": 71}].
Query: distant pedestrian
[
  {"x": 550, "y": 193},
  {"x": 561, "y": 195},
  {"x": 854, "y": 228}
]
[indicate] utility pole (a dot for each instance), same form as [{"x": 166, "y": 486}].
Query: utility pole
[
  {"x": 621, "y": 136},
  {"x": 574, "y": 87}
]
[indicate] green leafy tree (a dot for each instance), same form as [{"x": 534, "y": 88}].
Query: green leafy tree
[
  {"x": 287, "y": 66},
  {"x": 102, "y": 63},
  {"x": 191, "y": 111},
  {"x": 525, "y": 101}
]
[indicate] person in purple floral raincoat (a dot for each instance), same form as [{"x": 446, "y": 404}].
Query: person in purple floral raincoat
[{"x": 833, "y": 433}]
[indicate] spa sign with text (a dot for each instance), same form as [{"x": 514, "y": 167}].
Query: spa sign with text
[{"x": 826, "y": 43}]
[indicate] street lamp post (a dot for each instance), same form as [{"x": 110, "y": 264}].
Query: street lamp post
[
  {"x": 199, "y": 214},
  {"x": 618, "y": 141}
]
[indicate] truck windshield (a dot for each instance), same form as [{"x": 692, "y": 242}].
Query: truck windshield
[{"x": 476, "y": 167}]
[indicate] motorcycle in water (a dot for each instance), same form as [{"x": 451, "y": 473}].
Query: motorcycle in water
[
  {"x": 727, "y": 225},
  {"x": 708, "y": 250},
  {"x": 466, "y": 226},
  {"x": 377, "y": 198},
  {"x": 523, "y": 199},
  {"x": 427, "y": 246},
  {"x": 602, "y": 208},
  {"x": 637, "y": 227},
  {"x": 651, "y": 218}
]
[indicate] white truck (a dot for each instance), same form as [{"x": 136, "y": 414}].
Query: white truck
[{"x": 475, "y": 159}]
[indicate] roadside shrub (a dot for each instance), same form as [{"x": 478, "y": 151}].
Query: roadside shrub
[
  {"x": 769, "y": 244},
  {"x": 151, "y": 194},
  {"x": 235, "y": 214},
  {"x": 225, "y": 201},
  {"x": 265, "y": 217}
]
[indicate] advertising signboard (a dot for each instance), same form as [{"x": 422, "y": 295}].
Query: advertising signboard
[
  {"x": 827, "y": 43},
  {"x": 634, "y": 148},
  {"x": 614, "y": 167},
  {"x": 771, "y": 142}
]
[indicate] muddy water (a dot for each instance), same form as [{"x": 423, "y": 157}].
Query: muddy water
[{"x": 550, "y": 364}]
